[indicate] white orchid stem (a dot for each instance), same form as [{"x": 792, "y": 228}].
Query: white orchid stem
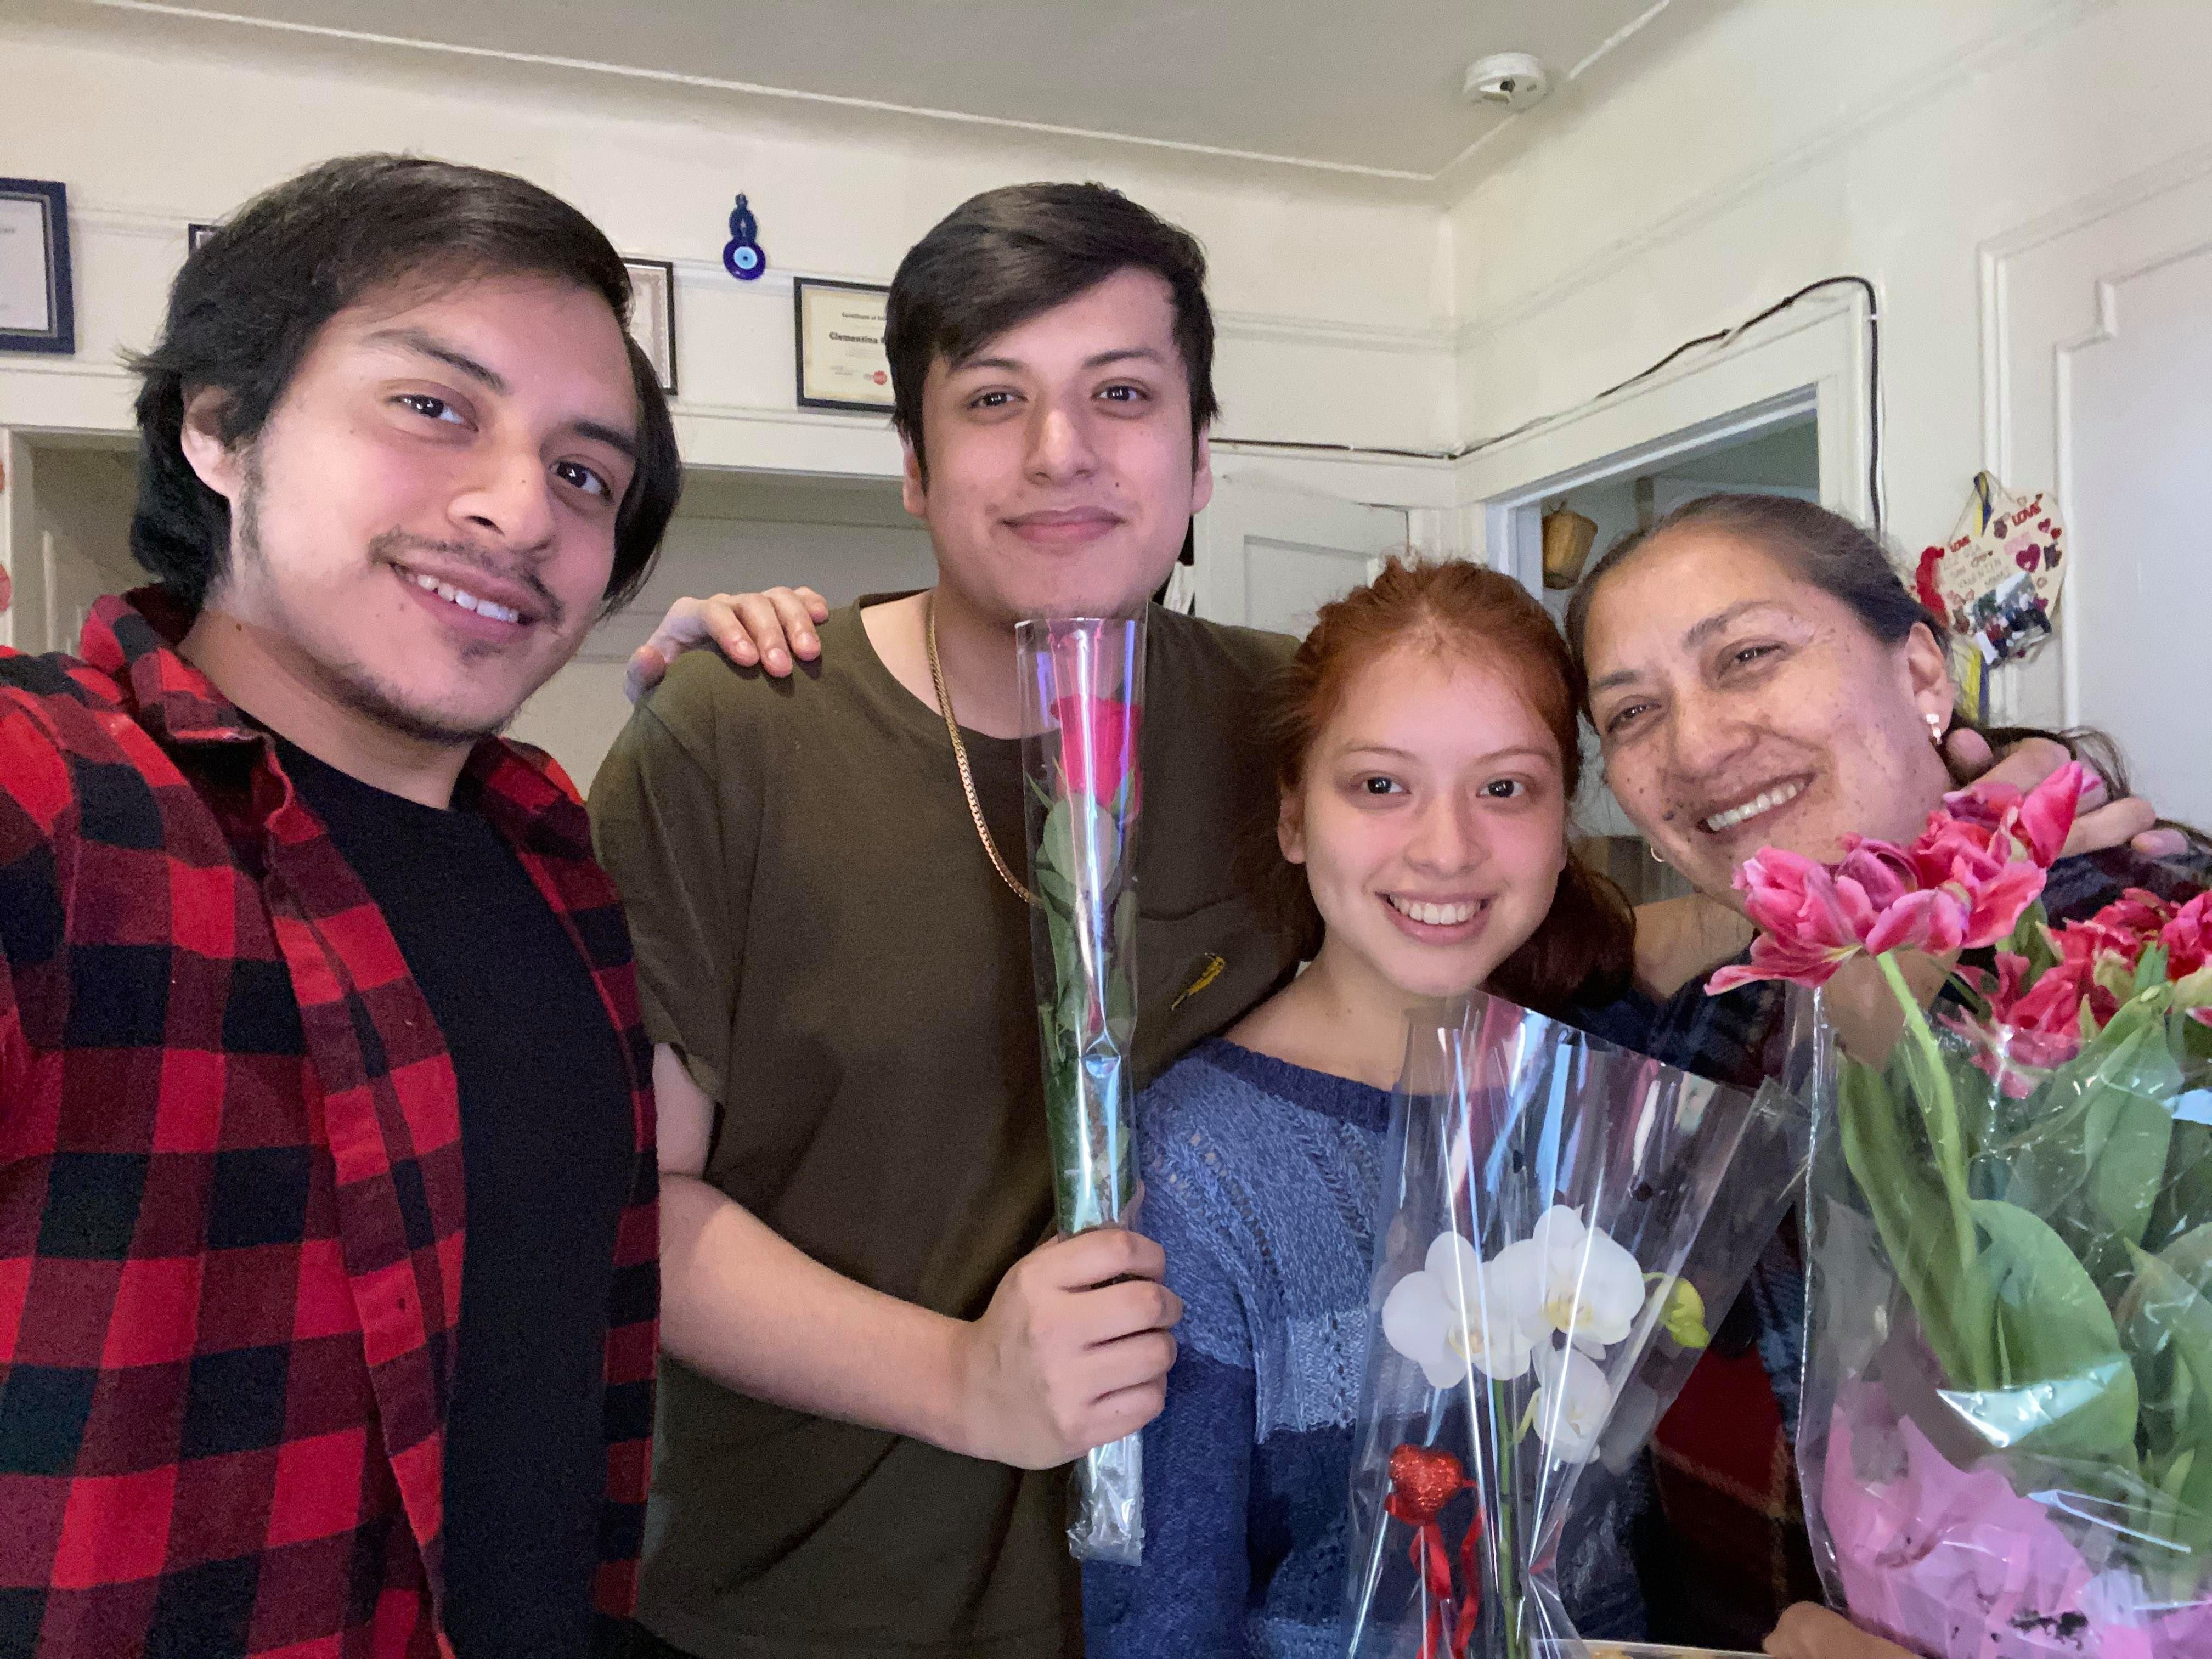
[{"x": 1504, "y": 1458}]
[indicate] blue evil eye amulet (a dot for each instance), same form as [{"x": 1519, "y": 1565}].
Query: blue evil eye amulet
[{"x": 742, "y": 255}]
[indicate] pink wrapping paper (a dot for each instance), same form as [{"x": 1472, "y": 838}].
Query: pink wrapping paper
[{"x": 1954, "y": 1564}]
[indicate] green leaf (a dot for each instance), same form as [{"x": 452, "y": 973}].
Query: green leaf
[
  {"x": 1124, "y": 795},
  {"x": 1939, "y": 1269},
  {"x": 2191, "y": 1042},
  {"x": 2031, "y": 939},
  {"x": 1056, "y": 845},
  {"x": 1065, "y": 1003},
  {"x": 2175, "y": 1481},
  {"x": 2130, "y": 1136},
  {"x": 1121, "y": 970},
  {"x": 1054, "y": 887},
  {"x": 1928, "y": 1080},
  {"x": 2150, "y": 969},
  {"x": 2063, "y": 1385},
  {"x": 2091, "y": 1154},
  {"x": 2166, "y": 1322}
]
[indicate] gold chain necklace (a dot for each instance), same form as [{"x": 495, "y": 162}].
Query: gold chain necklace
[{"x": 960, "y": 758}]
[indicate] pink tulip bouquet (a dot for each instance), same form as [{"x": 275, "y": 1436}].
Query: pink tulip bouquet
[
  {"x": 1083, "y": 685},
  {"x": 2006, "y": 1434}
]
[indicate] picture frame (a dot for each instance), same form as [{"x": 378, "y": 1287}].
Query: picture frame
[
  {"x": 653, "y": 315},
  {"x": 38, "y": 303},
  {"x": 196, "y": 234},
  {"x": 837, "y": 344}
]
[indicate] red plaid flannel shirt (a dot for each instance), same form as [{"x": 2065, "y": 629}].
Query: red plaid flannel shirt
[{"x": 231, "y": 1200}]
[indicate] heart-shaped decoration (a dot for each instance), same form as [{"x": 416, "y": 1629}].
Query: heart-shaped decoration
[{"x": 1423, "y": 1479}]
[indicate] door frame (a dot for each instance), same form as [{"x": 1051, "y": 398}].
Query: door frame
[
  {"x": 1814, "y": 362},
  {"x": 1244, "y": 505}
]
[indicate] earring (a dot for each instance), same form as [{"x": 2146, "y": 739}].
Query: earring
[
  {"x": 1657, "y": 857},
  {"x": 1935, "y": 725}
]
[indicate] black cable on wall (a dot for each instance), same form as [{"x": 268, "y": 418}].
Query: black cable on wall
[{"x": 1719, "y": 338}]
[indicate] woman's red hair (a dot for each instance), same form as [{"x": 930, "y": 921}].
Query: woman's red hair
[{"x": 1586, "y": 942}]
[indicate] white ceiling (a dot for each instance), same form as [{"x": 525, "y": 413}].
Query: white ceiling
[{"x": 1366, "y": 89}]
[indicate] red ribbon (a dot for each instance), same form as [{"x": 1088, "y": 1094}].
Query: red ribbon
[
  {"x": 1470, "y": 1606},
  {"x": 1423, "y": 1479}
]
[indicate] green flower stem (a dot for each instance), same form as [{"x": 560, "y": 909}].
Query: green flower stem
[
  {"x": 1939, "y": 1110},
  {"x": 1503, "y": 1457}
]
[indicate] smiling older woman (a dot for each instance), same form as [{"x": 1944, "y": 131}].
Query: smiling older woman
[{"x": 1758, "y": 676}]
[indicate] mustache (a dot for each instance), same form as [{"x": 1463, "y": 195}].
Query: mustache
[{"x": 394, "y": 544}]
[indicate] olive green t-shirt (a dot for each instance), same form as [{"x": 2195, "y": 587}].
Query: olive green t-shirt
[{"x": 820, "y": 933}]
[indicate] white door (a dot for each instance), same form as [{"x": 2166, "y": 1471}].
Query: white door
[
  {"x": 2140, "y": 590},
  {"x": 1270, "y": 558},
  {"x": 2097, "y": 331}
]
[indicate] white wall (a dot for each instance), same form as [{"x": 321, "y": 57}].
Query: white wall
[
  {"x": 1784, "y": 140},
  {"x": 735, "y": 533},
  {"x": 1334, "y": 306},
  {"x": 1773, "y": 142}
]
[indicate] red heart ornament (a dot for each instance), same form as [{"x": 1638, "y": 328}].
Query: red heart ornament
[{"x": 1423, "y": 1479}]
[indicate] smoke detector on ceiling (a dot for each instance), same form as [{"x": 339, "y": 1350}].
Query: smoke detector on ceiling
[{"x": 1513, "y": 80}]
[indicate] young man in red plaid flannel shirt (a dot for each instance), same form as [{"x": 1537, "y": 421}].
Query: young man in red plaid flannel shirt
[{"x": 327, "y": 1229}]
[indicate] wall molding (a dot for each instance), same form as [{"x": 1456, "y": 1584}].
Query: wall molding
[
  {"x": 692, "y": 273},
  {"x": 1999, "y": 253}
]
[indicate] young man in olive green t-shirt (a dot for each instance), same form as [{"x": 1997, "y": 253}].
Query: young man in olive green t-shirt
[{"x": 874, "y": 1367}]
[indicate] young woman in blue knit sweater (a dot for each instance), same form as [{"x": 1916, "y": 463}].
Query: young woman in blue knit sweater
[{"x": 1425, "y": 751}]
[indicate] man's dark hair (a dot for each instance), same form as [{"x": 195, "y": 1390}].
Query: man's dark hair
[
  {"x": 1002, "y": 257},
  {"x": 252, "y": 299}
]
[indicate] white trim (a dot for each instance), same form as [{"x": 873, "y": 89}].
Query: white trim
[
  {"x": 1257, "y": 327},
  {"x": 1263, "y": 328},
  {"x": 1812, "y": 363},
  {"x": 1999, "y": 253}
]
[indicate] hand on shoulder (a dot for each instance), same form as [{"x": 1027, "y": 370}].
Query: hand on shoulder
[{"x": 765, "y": 631}]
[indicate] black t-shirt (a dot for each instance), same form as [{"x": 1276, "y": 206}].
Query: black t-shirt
[{"x": 546, "y": 1143}]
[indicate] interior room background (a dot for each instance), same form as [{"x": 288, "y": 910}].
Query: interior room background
[{"x": 2025, "y": 184}]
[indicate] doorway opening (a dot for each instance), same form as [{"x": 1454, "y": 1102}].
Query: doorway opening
[{"x": 69, "y": 499}]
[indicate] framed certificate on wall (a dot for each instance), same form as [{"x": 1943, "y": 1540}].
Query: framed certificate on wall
[
  {"x": 839, "y": 330},
  {"x": 652, "y": 314},
  {"x": 38, "y": 310}
]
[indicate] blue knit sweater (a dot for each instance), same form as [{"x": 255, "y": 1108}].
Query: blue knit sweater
[{"x": 1261, "y": 1180}]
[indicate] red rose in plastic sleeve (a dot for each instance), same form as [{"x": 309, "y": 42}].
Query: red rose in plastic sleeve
[{"x": 1098, "y": 746}]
